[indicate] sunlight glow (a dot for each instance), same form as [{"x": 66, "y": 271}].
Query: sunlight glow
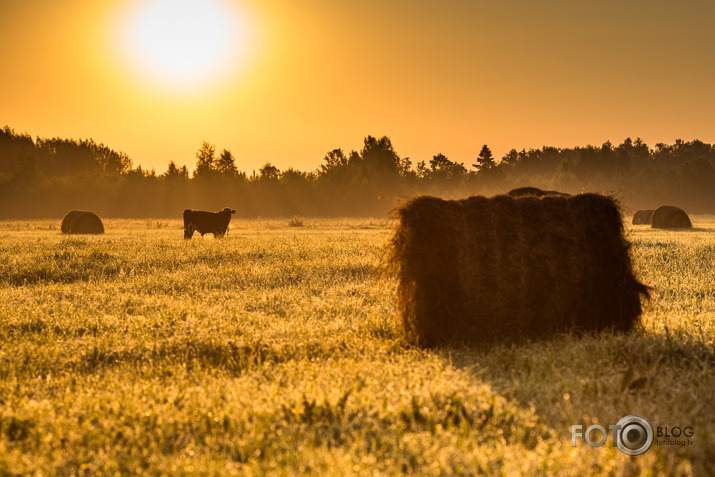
[{"x": 183, "y": 43}]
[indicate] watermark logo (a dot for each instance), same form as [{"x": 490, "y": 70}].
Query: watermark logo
[
  {"x": 633, "y": 435},
  {"x": 674, "y": 436}
]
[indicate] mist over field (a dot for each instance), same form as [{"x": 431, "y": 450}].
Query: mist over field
[{"x": 42, "y": 178}]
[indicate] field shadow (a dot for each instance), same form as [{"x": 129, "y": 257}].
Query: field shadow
[
  {"x": 234, "y": 356},
  {"x": 599, "y": 379},
  {"x": 567, "y": 378},
  {"x": 690, "y": 230}
]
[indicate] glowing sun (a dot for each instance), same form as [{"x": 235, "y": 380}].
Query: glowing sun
[{"x": 183, "y": 43}]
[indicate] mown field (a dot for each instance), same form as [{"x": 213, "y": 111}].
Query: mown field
[{"x": 275, "y": 351}]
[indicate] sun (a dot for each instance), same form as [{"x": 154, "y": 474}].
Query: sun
[{"x": 183, "y": 43}]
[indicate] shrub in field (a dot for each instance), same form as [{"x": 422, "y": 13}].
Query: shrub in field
[
  {"x": 669, "y": 217},
  {"x": 82, "y": 222},
  {"x": 296, "y": 221},
  {"x": 481, "y": 268},
  {"x": 643, "y": 217}
]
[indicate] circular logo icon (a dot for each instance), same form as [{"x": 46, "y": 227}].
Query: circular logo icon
[{"x": 635, "y": 435}]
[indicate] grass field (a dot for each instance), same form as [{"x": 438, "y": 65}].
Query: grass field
[{"x": 275, "y": 351}]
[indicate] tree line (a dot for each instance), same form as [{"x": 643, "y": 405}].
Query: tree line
[{"x": 47, "y": 177}]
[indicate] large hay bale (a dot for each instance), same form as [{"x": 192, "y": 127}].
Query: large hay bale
[
  {"x": 482, "y": 268},
  {"x": 82, "y": 222},
  {"x": 669, "y": 217},
  {"x": 533, "y": 191},
  {"x": 642, "y": 217}
]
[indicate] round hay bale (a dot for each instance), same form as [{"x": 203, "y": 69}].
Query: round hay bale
[
  {"x": 69, "y": 219},
  {"x": 642, "y": 217},
  {"x": 479, "y": 269},
  {"x": 82, "y": 222},
  {"x": 533, "y": 191},
  {"x": 670, "y": 217}
]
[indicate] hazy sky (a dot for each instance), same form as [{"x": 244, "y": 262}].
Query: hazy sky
[{"x": 285, "y": 81}]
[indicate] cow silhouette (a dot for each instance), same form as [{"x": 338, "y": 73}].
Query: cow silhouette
[{"x": 206, "y": 222}]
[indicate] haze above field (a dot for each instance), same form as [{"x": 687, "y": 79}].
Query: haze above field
[{"x": 284, "y": 82}]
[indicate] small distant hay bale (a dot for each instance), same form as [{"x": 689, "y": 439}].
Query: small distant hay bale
[
  {"x": 479, "y": 269},
  {"x": 670, "y": 217},
  {"x": 533, "y": 191},
  {"x": 69, "y": 219},
  {"x": 642, "y": 217},
  {"x": 82, "y": 222}
]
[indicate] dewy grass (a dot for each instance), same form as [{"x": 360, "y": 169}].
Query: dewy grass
[{"x": 276, "y": 351}]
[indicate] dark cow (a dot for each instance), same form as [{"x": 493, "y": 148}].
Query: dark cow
[{"x": 206, "y": 222}]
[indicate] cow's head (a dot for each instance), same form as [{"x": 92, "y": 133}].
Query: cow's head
[{"x": 228, "y": 210}]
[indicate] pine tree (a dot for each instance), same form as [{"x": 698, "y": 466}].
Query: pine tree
[
  {"x": 485, "y": 160},
  {"x": 172, "y": 170}
]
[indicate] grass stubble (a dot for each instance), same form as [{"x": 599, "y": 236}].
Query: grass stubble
[{"x": 276, "y": 351}]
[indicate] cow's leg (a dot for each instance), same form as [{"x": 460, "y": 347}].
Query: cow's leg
[{"x": 189, "y": 231}]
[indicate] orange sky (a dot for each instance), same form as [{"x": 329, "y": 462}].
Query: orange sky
[{"x": 314, "y": 75}]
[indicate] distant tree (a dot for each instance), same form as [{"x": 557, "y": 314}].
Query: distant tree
[
  {"x": 422, "y": 171},
  {"x": 17, "y": 152},
  {"x": 485, "y": 160},
  {"x": 111, "y": 162},
  {"x": 336, "y": 169},
  {"x": 405, "y": 168},
  {"x": 334, "y": 159},
  {"x": 269, "y": 172},
  {"x": 380, "y": 159},
  {"x": 699, "y": 150},
  {"x": 9, "y": 138},
  {"x": 631, "y": 154},
  {"x": 174, "y": 172},
  {"x": 511, "y": 158},
  {"x": 205, "y": 158},
  {"x": 139, "y": 173},
  {"x": 354, "y": 160},
  {"x": 293, "y": 177},
  {"x": 226, "y": 164},
  {"x": 683, "y": 151},
  {"x": 66, "y": 157},
  {"x": 442, "y": 168}
]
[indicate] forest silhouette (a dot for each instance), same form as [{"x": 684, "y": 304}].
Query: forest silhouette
[{"x": 45, "y": 178}]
